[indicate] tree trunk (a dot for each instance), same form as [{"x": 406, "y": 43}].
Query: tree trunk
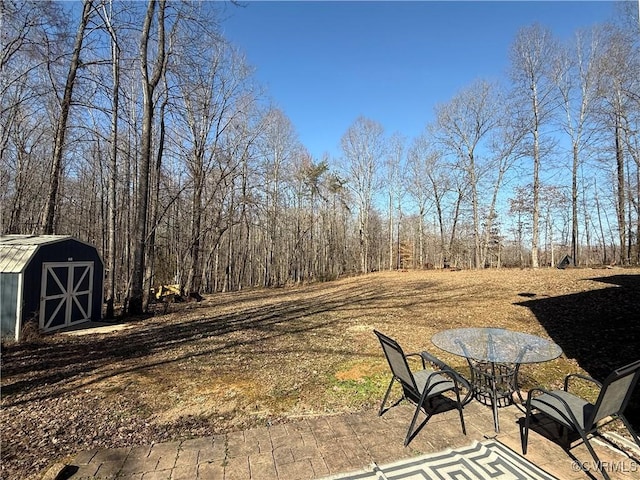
[
  {"x": 421, "y": 236},
  {"x": 390, "y": 231},
  {"x": 48, "y": 218},
  {"x": 148, "y": 85},
  {"x": 536, "y": 184},
  {"x": 113, "y": 177},
  {"x": 150, "y": 252},
  {"x": 195, "y": 274},
  {"x": 587, "y": 228},
  {"x": 574, "y": 206},
  {"x": 476, "y": 216},
  {"x": 622, "y": 222},
  {"x": 452, "y": 238}
]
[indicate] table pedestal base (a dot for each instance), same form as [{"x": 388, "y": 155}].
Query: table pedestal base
[{"x": 494, "y": 384}]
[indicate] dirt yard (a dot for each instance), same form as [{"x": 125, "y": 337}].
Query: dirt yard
[{"x": 260, "y": 357}]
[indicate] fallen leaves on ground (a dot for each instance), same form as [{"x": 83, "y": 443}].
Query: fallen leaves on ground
[{"x": 259, "y": 357}]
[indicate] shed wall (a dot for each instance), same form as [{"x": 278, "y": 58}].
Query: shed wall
[{"x": 9, "y": 283}]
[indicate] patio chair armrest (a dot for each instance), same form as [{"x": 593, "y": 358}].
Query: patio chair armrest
[
  {"x": 567, "y": 414},
  {"x": 424, "y": 365},
  {"x": 446, "y": 372},
  {"x": 427, "y": 357},
  {"x": 456, "y": 376},
  {"x": 464, "y": 383},
  {"x": 536, "y": 389},
  {"x": 579, "y": 375},
  {"x": 450, "y": 372}
]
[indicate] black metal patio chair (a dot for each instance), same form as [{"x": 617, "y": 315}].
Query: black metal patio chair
[
  {"x": 420, "y": 387},
  {"x": 577, "y": 415}
]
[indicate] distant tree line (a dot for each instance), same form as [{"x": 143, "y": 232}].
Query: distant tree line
[{"x": 143, "y": 131}]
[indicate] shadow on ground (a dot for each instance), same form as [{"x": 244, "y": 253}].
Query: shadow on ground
[
  {"x": 599, "y": 328},
  {"x": 108, "y": 388},
  {"x": 29, "y": 366}
]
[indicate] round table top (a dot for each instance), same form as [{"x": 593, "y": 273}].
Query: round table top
[{"x": 496, "y": 345}]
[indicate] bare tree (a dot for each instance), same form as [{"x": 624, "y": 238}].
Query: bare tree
[
  {"x": 426, "y": 183},
  {"x": 463, "y": 125},
  {"x": 575, "y": 74},
  {"x": 48, "y": 216},
  {"x": 520, "y": 206},
  {"x": 108, "y": 14},
  {"x": 620, "y": 94},
  {"x": 212, "y": 79},
  {"x": 23, "y": 174},
  {"x": 395, "y": 179},
  {"x": 336, "y": 218},
  {"x": 553, "y": 199},
  {"x": 279, "y": 146},
  {"x": 150, "y": 81},
  {"x": 504, "y": 150},
  {"x": 530, "y": 54},
  {"x": 435, "y": 183},
  {"x": 363, "y": 146}
]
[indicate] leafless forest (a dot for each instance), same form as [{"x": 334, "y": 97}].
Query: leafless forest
[{"x": 137, "y": 127}]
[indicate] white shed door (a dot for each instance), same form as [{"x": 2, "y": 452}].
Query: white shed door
[{"x": 67, "y": 289}]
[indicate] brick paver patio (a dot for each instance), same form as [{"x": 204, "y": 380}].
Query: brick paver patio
[{"x": 316, "y": 447}]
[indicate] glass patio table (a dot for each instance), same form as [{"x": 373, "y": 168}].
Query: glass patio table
[{"x": 494, "y": 356}]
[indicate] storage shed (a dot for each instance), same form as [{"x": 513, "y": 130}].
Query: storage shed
[{"x": 55, "y": 279}]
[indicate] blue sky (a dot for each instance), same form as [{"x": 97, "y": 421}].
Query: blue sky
[{"x": 326, "y": 63}]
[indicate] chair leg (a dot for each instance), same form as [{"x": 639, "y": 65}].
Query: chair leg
[
  {"x": 630, "y": 428},
  {"x": 464, "y": 430},
  {"x": 594, "y": 455},
  {"x": 423, "y": 398},
  {"x": 413, "y": 422},
  {"x": 386, "y": 397}
]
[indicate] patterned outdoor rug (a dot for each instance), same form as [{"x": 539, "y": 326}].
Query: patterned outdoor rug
[{"x": 479, "y": 461}]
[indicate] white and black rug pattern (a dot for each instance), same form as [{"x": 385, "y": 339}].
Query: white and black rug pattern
[{"x": 479, "y": 461}]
